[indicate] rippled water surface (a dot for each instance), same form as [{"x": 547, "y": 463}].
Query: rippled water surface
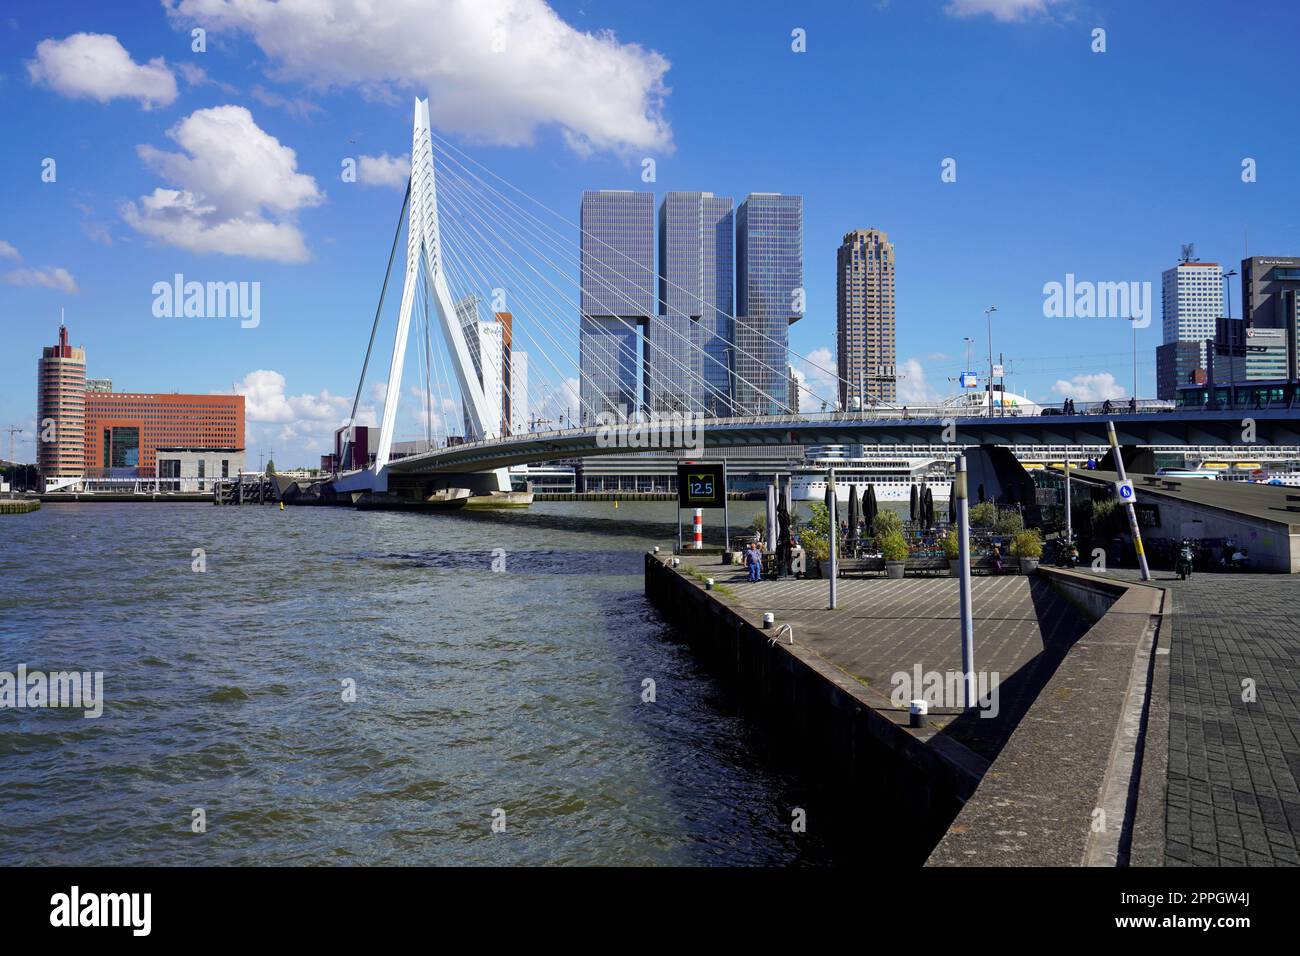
[{"x": 475, "y": 691}]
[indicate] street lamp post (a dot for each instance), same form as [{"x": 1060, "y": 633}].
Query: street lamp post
[
  {"x": 988, "y": 315},
  {"x": 1133, "y": 319},
  {"x": 1232, "y": 350}
]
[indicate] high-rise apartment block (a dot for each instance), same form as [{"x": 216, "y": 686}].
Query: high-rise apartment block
[
  {"x": 61, "y": 409},
  {"x": 864, "y": 328}
]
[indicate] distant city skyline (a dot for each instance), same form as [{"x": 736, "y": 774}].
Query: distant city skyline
[{"x": 133, "y": 195}]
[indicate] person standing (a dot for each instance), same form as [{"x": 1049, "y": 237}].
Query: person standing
[{"x": 754, "y": 561}]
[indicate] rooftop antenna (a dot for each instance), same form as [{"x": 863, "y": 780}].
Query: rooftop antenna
[{"x": 1189, "y": 253}]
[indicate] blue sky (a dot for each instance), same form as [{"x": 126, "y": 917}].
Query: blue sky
[{"x": 1068, "y": 161}]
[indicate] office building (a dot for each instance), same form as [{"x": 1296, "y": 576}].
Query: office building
[
  {"x": 1270, "y": 299},
  {"x": 520, "y": 408},
  {"x": 769, "y": 298},
  {"x": 507, "y": 322},
  {"x": 864, "y": 328},
  {"x": 688, "y": 342},
  {"x": 1269, "y": 285},
  {"x": 61, "y": 409},
  {"x": 124, "y": 431},
  {"x": 193, "y": 470},
  {"x": 796, "y": 390},
  {"x": 1178, "y": 364},
  {"x": 1191, "y": 298},
  {"x": 485, "y": 342},
  {"x": 617, "y": 297},
  {"x": 99, "y": 384}
]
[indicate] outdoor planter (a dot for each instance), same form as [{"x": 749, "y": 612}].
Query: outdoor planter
[
  {"x": 895, "y": 568},
  {"x": 954, "y": 567},
  {"x": 1028, "y": 565}
]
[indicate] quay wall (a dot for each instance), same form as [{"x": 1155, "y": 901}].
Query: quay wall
[{"x": 891, "y": 791}]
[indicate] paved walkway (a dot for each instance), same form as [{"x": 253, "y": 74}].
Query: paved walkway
[
  {"x": 1234, "y": 766},
  {"x": 883, "y": 627}
]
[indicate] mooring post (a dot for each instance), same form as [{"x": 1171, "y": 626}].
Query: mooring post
[
  {"x": 832, "y": 502},
  {"x": 963, "y": 556},
  {"x": 726, "y": 515}
]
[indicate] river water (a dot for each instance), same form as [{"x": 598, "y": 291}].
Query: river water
[{"x": 517, "y": 690}]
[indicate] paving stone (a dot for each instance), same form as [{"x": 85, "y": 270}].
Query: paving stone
[{"x": 1227, "y": 628}]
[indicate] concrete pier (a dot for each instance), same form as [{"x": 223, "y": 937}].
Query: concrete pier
[{"x": 1015, "y": 781}]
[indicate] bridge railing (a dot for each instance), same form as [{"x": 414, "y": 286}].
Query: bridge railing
[{"x": 919, "y": 413}]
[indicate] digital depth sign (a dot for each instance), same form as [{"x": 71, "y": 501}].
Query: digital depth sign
[{"x": 701, "y": 484}]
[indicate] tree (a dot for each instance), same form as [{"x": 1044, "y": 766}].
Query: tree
[{"x": 270, "y": 468}]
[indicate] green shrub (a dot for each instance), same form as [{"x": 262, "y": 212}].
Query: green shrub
[
  {"x": 759, "y": 524},
  {"x": 951, "y": 549},
  {"x": 1008, "y": 522},
  {"x": 892, "y": 545},
  {"x": 885, "y": 522},
  {"x": 1027, "y": 544},
  {"x": 815, "y": 538},
  {"x": 815, "y": 545},
  {"x": 983, "y": 515}
]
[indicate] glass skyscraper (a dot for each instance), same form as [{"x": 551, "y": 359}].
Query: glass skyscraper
[
  {"x": 618, "y": 295},
  {"x": 769, "y": 297},
  {"x": 688, "y": 343}
]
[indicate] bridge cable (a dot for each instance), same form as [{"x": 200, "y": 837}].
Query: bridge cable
[
  {"x": 352, "y": 418},
  {"x": 447, "y": 148}
]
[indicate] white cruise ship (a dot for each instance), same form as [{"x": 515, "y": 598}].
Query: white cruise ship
[{"x": 893, "y": 477}]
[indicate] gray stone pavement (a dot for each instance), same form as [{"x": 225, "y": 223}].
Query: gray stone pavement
[
  {"x": 883, "y": 627},
  {"x": 1233, "y": 795}
]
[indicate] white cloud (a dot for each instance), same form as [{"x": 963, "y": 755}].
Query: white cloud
[
  {"x": 818, "y": 369},
  {"x": 1090, "y": 388},
  {"x": 230, "y": 174},
  {"x": 495, "y": 70},
  {"x": 295, "y": 106},
  {"x": 913, "y": 389},
  {"x": 8, "y": 251},
  {"x": 97, "y": 232},
  {"x": 97, "y": 66},
  {"x": 265, "y": 401},
  {"x": 1008, "y": 11},
  {"x": 384, "y": 170},
  {"x": 50, "y": 278},
  {"x": 561, "y": 406},
  {"x": 300, "y": 428},
  {"x": 197, "y": 76}
]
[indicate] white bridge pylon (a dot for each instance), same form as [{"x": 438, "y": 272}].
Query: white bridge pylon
[{"x": 424, "y": 254}]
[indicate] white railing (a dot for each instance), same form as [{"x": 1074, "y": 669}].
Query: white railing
[{"x": 919, "y": 414}]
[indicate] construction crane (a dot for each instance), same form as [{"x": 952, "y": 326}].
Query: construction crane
[{"x": 12, "y": 430}]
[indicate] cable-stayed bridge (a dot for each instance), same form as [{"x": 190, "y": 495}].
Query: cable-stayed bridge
[{"x": 492, "y": 277}]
